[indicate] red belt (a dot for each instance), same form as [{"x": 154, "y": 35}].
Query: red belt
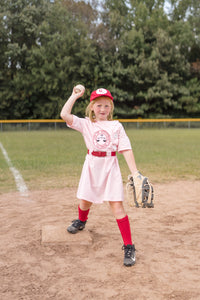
[{"x": 101, "y": 153}]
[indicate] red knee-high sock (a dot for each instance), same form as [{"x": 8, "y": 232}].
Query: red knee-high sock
[
  {"x": 83, "y": 214},
  {"x": 124, "y": 227}
]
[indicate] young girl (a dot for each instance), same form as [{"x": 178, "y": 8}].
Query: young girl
[{"x": 101, "y": 177}]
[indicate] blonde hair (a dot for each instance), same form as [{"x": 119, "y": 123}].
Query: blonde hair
[{"x": 90, "y": 113}]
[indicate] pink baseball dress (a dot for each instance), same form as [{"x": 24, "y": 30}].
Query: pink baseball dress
[{"x": 101, "y": 178}]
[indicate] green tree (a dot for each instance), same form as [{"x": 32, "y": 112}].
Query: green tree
[
  {"x": 134, "y": 48},
  {"x": 149, "y": 68},
  {"x": 19, "y": 21},
  {"x": 46, "y": 54},
  {"x": 188, "y": 11}
]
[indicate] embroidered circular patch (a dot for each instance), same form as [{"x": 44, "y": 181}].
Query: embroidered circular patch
[
  {"x": 101, "y": 91},
  {"x": 101, "y": 139}
]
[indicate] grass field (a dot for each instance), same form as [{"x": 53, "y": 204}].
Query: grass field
[{"x": 54, "y": 159}]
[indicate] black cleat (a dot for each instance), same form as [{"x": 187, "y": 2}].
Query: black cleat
[
  {"x": 76, "y": 226},
  {"x": 129, "y": 255}
]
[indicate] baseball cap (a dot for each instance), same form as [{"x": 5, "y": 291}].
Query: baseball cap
[{"x": 100, "y": 93}]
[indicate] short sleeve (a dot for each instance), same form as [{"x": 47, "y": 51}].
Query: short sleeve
[
  {"x": 124, "y": 142},
  {"x": 77, "y": 124}
]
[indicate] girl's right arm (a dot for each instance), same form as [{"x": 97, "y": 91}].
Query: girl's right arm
[{"x": 67, "y": 108}]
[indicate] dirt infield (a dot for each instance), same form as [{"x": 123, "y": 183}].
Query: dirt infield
[{"x": 166, "y": 239}]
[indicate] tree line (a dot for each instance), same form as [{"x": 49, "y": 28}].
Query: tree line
[{"x": 146, "y": 52}]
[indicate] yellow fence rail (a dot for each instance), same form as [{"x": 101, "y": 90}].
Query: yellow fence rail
[
  {"x": 157, "y": 120},
  {"x": 121, "y": 120}
]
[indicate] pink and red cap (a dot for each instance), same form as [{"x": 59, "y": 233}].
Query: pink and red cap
[{"x": 101, "y": 93}]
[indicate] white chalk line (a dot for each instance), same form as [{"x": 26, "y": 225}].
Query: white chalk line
[{"x": 20, "y": 184}]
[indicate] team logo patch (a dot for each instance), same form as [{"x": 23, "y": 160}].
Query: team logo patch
[
  {"x": 101, "y": 139},
  {"x": 101, "y": 91}
]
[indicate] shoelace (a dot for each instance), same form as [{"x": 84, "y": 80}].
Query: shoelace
[
  {"x": 76, "y": 223},
  {"x": 128, "y": 251}
]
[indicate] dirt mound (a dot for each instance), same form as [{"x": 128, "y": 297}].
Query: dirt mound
[{"x": 166, "y": 239}]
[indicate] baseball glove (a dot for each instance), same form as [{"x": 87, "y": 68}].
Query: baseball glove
[{"x": 139, "y": 191}]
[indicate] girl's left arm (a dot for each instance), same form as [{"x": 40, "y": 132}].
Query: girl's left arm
[{"x": 130, "y": 160}]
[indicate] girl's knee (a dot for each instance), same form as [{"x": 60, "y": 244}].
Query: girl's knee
[
  {"x": 118, "y": 209},
  {"x": 85, "y": 205}
]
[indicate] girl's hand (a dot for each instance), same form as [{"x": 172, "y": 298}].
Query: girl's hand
[
  {"x": 78, "y": 91},
  {"x": 134, "y": 174},
  {"x": 65, "y": 114}
]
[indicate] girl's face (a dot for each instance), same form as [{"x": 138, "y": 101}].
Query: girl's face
[{"x": 102, "y": 109}]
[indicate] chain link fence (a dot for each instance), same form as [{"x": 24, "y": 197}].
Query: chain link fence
[{"x": 27, "y": 125}]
